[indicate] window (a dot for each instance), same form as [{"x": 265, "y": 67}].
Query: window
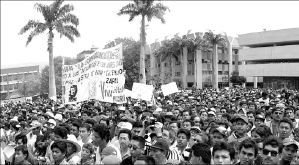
[
  {"x": 177, "y": 63},
  {"x": 2, "y": 87},
  {"x": 16, "y": 86},
  {"x": 177, "y": 74},
  {"x": 190, "y": 61},
  {"x": 11, "y": 86},
  {"x": 236, "y": 51},
  {"x": 190, "y": 84},
  {"x": 165, "y": 64},
  {"x": 4, "y": 78}
]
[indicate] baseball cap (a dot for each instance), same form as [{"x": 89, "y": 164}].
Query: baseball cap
[
  {"x": 195, "y": 128},
  {"x": 161, "y": 144},
  {"x": 290, "y": 141},
  {"x": 125, "y": 125},
  {"x": 109, "y": 150},
  {"x": 260, "y": 116},
  {"x": 211, "y": 113},
  {"x": 236, "y": 117}
]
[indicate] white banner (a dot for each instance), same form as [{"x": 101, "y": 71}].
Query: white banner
[
  {"x": 99, "y": 76},
  {"x": 170, "y": 88},
  {"x": 142, "y": 91}
]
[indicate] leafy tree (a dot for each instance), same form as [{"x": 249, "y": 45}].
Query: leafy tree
[
  {"x": 131, "y": 51},
  {"x": 236, "y": 79},
  {"x": 44, "y": 79},
  {"x": 215, "y": 40},
  {"x": 144, "y": 8},
  {"x": 30, "y": 86},
  {"x": 59, "y": 18}
]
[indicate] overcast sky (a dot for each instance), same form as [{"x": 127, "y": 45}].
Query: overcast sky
[{"x": 99, "y": 23}]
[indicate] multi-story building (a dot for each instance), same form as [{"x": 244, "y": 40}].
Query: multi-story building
[
  {"x": 270, "y": 58},
  {"x": 198, "y": 72},
  {"x": 12, "y": 78}
]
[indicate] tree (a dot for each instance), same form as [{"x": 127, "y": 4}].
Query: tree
[
  {"x": 30, "y": 85},
  {"x": 214, "y": 40},
  {"x": 44, "y": 79},
  {"x": 236, "y": 79},
  {"x": 59, "y": 18},
  {"x": 144, "y": 8},
  {"x": 131, "y": 51}
]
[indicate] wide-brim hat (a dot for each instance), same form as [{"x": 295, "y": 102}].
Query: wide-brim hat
[{"x": 73, "y": 140}]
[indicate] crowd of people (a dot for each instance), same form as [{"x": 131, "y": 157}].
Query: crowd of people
[{"x": 231, "y": 126}]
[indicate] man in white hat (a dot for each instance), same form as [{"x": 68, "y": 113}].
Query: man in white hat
[{"x": 35, "y": 130}]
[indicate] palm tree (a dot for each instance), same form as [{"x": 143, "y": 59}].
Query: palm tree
[
  {"x": 59, "y": 18},
  {"x": 214, "y": 40},
  {"x": 144, "y": 8}
]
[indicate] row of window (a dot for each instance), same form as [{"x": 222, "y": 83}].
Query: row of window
[
  {"x": 15, "y": 77},
  {"x": 10, "y": 87},
  {"x": 190, "y": 62}
]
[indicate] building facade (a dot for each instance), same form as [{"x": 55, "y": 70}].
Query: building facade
[
  {"x": 198, "y": 72},
  {"x": 270, "y": 58},
  {"x": 12, "y": 78}
]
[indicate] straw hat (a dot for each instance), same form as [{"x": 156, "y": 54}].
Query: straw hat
[{"x": 72, "y": 139}]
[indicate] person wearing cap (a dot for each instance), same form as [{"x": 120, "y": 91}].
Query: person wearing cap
[
  {"x": 218, "y": 134},
  {"x": 31, "y": 136},
  {"x": 73, "y": 150},
  {"x": 259, "y": 119},
  {"x": 124, "y": 138},
  {"x": 289, "y": 150},
  {"x": 276, "y": 116},
  {"x": 159, "y": 151},
  {"x": 239, "y": 129}
]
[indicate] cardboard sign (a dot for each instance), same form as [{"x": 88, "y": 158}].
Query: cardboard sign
[
  {"x": 170, "y": 88},
  {"x": 142, "y": 91},
  {"x": 99, "y": 76}
]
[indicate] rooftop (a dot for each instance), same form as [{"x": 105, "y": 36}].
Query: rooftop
[{"x": 19, "y": 69}]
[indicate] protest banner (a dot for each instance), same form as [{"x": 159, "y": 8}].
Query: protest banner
[
  {"x": 170, "y": 88},
  {"x": 142, "y": 91},
  {"x": 99, "y": 76}
]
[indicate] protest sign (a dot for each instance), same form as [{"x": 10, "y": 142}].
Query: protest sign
[
  {"x": 142, "y": 91},
  {"x": 128, "y": 93},
  {"x": 99, "y": 76},
  {"x": 170, "y": 88}
]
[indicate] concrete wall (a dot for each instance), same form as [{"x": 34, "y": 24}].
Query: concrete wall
[
  {"x": 273, "y": 70},
  {"x": 268, "y": 37},
  {"x": 264, "y": 53}
]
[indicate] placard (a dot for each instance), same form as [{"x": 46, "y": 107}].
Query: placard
[
  {"x": 142, "y": 91},
  {"x": 170, "y": 88},
  {"x": 99, "y": 76}
]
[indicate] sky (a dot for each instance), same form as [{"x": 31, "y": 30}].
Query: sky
[{"x": 99, "y": 24}]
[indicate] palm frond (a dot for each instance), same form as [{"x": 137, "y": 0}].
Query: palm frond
[
  {"x": 30, "y": 25},
  {"x": 69, "y": 18},
  {"x": 128, "y": 9},
  {"x": 40, "y": 28},
  {"x": 56, "y": 6},
  {"x": 68, "y": 31},
  {"x": 45, "y": 10},
  {"x": 64, "y": 10}
]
